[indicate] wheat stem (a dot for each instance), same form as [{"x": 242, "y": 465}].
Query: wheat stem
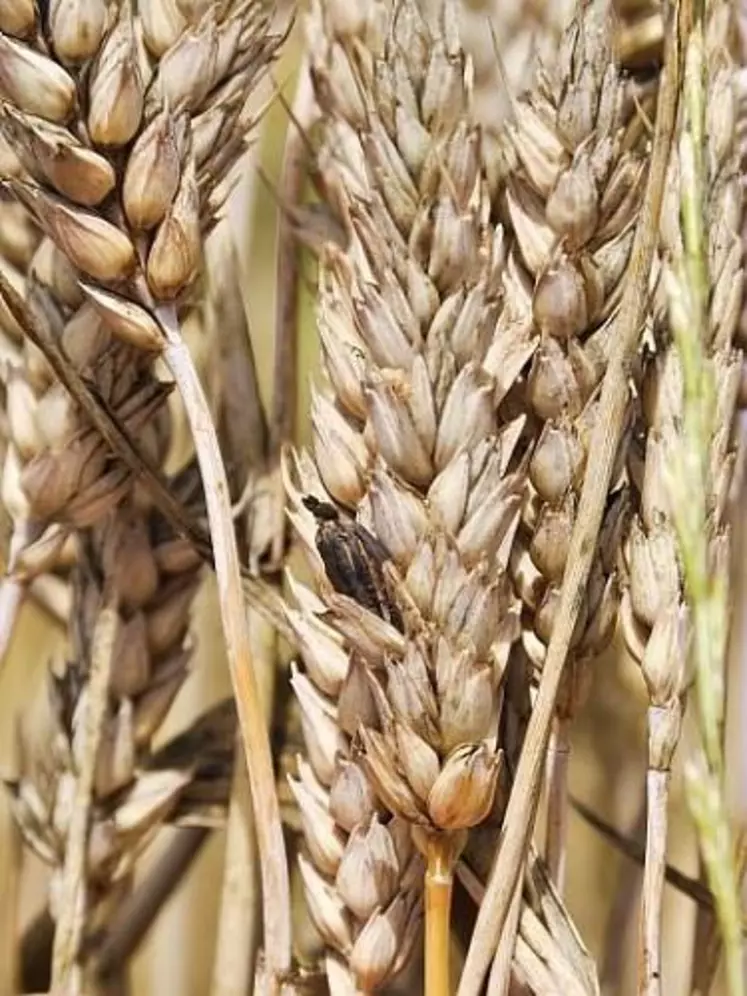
[
  {"x": 10, "y": 883},
  {"x": 558, "y": 756},
  {"x": 233, "y": 963},
  {"x": 439, "y": 882},
  {"x": 664, "y": 723},
  {"x": 65, "y": 973},
  {"x": 605, "y": 441},
  {"x": 501, "y": 969},
  {"x": 657, "y": 784},
  {"x": 709, "y": 952},
  {"x": 275, "y": 885}
]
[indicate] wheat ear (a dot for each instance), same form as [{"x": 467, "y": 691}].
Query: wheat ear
[
  {"x": 573, "y": 199},
  {"x": 659, "y": 621},
  {"x": 690, "y": 408},
  {"x": 173, "y": 96},
  {"x": 605, "y": 438},
  {"x": 418, "y": 360}
]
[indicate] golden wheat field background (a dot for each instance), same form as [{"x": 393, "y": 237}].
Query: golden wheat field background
[{"x": 608, "y": 760}]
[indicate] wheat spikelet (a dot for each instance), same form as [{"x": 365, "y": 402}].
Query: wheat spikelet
[
  {"x": 59, "y": 469},
  {"x": 127, "y": 129}
]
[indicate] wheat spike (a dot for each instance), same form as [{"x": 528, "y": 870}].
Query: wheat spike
[
  {"x": 572, "y": 195},
  {"x": 184, "y": 134},
  {"x": 573, "y": 200},
  {"x": 127, "y": 128},
  {"x": 133, "y": 551},
  {"x": 687, "y": 449},
  {"x": 653, "y": 613},
  {"x": 414, "y": 483}
]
